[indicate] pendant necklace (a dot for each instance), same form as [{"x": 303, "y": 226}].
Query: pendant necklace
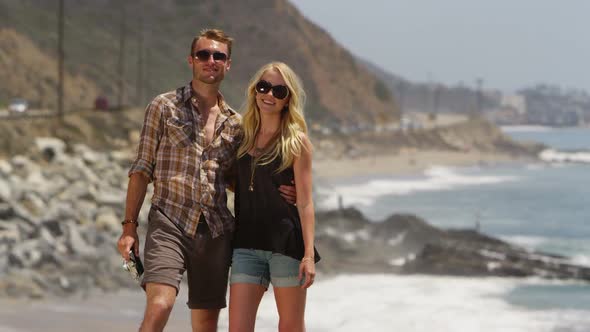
[
  {"x": 252, "y": 168},
  {"x": 257, "y": 154}
]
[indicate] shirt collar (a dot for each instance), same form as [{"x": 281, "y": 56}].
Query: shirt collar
[{"x": 187, "y": 93}]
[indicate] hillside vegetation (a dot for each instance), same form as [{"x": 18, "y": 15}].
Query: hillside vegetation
[{"x": 158, "y": 36}]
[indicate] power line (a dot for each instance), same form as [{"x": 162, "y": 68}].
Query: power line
[
  {"x": 121, "y": 66},
  {"x": 140, "y": 60},
  {"x": 60, "y": 66}
]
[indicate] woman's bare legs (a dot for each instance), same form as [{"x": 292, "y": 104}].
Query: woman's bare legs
[
  {"x": 291, "y": 306},
  {"x": 244, "y": 299}
]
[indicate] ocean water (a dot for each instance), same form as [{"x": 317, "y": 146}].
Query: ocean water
[
  {"x": 542, "y": 206},
  {"x": 558, "y": 138}
]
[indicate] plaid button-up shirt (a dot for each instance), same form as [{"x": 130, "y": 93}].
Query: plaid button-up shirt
[{"x": 189, "y": 177}]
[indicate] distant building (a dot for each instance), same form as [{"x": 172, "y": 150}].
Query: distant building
[
  {"x": 409, "y": 122},
  {"x": 516, "y": 102}
]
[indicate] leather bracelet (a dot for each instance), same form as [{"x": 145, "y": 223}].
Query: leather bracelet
[{"x": 129, "y": 221}]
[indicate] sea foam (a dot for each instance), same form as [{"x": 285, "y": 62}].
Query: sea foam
[
  {"x": 435, "y": 179},
  {"x": 422, "y": 303},
  {"x": 520, "y": 129},
  {"x": 554, "y": 156}
]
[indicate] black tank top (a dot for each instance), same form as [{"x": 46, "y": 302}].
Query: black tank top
[{"x": 264, "y": 220}]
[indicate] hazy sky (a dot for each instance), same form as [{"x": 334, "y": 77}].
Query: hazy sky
[{"x": 509, "y": 43}]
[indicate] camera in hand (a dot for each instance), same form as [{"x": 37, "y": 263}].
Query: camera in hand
[{"x": 134, "y": 265}]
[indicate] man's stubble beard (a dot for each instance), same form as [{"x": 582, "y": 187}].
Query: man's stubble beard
[{"x": 205, "y": 78}]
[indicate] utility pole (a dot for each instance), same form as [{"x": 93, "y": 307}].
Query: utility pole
[
  {"x": 147, "y": 88},
  {"x": 121, "y": 67},
  {"x": 479, "y": 97},
  {"x": 436, "y": 101},
  {"x": 60, "y": 61},
  {"x": 401, "y": 89},
  {"x": 140, "y": 65}
]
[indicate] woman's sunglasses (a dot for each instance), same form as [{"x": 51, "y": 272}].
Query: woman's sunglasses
[
  {"x": 278, "y": 91},
  {"x": 204, "y": 55}
]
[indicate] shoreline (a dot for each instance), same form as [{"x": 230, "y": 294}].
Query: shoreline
[
  {"x": 407, "y": 162},
  {"x": 484, "y": 298}
]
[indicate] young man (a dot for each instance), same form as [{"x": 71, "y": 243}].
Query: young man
[{"x": 187, "y": 147}]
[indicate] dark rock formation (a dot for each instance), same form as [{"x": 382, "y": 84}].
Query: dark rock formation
[{"x": 407, "y": 244}]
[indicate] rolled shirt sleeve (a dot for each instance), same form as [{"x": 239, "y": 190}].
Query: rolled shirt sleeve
[{"x": 151, "y": 134}]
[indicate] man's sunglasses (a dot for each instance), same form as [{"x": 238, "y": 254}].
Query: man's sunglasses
[
  {"x": 204, "y": 55},
  {"x": 278, "y": 91}
]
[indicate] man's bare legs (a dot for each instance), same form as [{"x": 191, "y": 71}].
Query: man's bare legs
[
  {"x": 204, "y": 320},
  {"x": 160, "y": 300}
]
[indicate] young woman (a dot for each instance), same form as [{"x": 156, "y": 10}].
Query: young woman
[{"x": 274, "y": 240}]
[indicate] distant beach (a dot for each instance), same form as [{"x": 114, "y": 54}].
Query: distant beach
[{"x": 406, "y": 162}]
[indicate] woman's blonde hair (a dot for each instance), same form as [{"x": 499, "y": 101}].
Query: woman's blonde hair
[{"x": 289, "y": 143}]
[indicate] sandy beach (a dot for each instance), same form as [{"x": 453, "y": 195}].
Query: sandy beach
[{"x": 406, "y": 162}]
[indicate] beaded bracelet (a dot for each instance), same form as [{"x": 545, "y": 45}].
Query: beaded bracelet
[{"x": 129, "y": 221}]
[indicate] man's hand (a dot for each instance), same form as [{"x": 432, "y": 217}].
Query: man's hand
[
  {"x": 289, "y": 193},
  {"x": 128, "y": 240},
  {"x": 136, "y": 190}
]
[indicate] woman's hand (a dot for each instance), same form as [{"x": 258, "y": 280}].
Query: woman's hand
[{"x": 307, "y": 269}]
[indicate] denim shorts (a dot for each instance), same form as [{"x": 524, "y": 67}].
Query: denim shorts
[{"x": 253, "y": 266}]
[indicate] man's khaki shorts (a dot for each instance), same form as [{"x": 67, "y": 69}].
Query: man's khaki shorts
[{"x": 169, "y": 252}]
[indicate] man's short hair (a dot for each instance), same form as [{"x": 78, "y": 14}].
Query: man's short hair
[{"x": 214, "y": 34}]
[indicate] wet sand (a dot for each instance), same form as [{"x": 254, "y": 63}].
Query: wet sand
[
  {"x": 113, "y": 312},
  {"x": 120, "y": 311}
]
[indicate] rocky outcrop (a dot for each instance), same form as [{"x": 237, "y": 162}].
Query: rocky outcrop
[
  {"x": 473, "y": 135},
  {"x": 407, "y": 244},
  {"x": 60, "y": 219}
]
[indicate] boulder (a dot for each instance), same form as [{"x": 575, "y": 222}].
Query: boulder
[
  {"x": 20, "y": 284},
  {"x": 77, "y": 243},
  {"x": 6, "y": 210},
  {"x": 9, "y": 232},
  {"x": 25, "y": 254},
  {"x": 5, "y": 190},
  {"x": 5, "y": 168},
  {"x": 50, "y": 148}
]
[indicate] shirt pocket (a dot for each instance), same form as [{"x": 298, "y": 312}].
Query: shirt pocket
[
  {"x": 227, "y": 138},
  {"x": 224, "y": 149},
  {"x": 179, "y": 132}
]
